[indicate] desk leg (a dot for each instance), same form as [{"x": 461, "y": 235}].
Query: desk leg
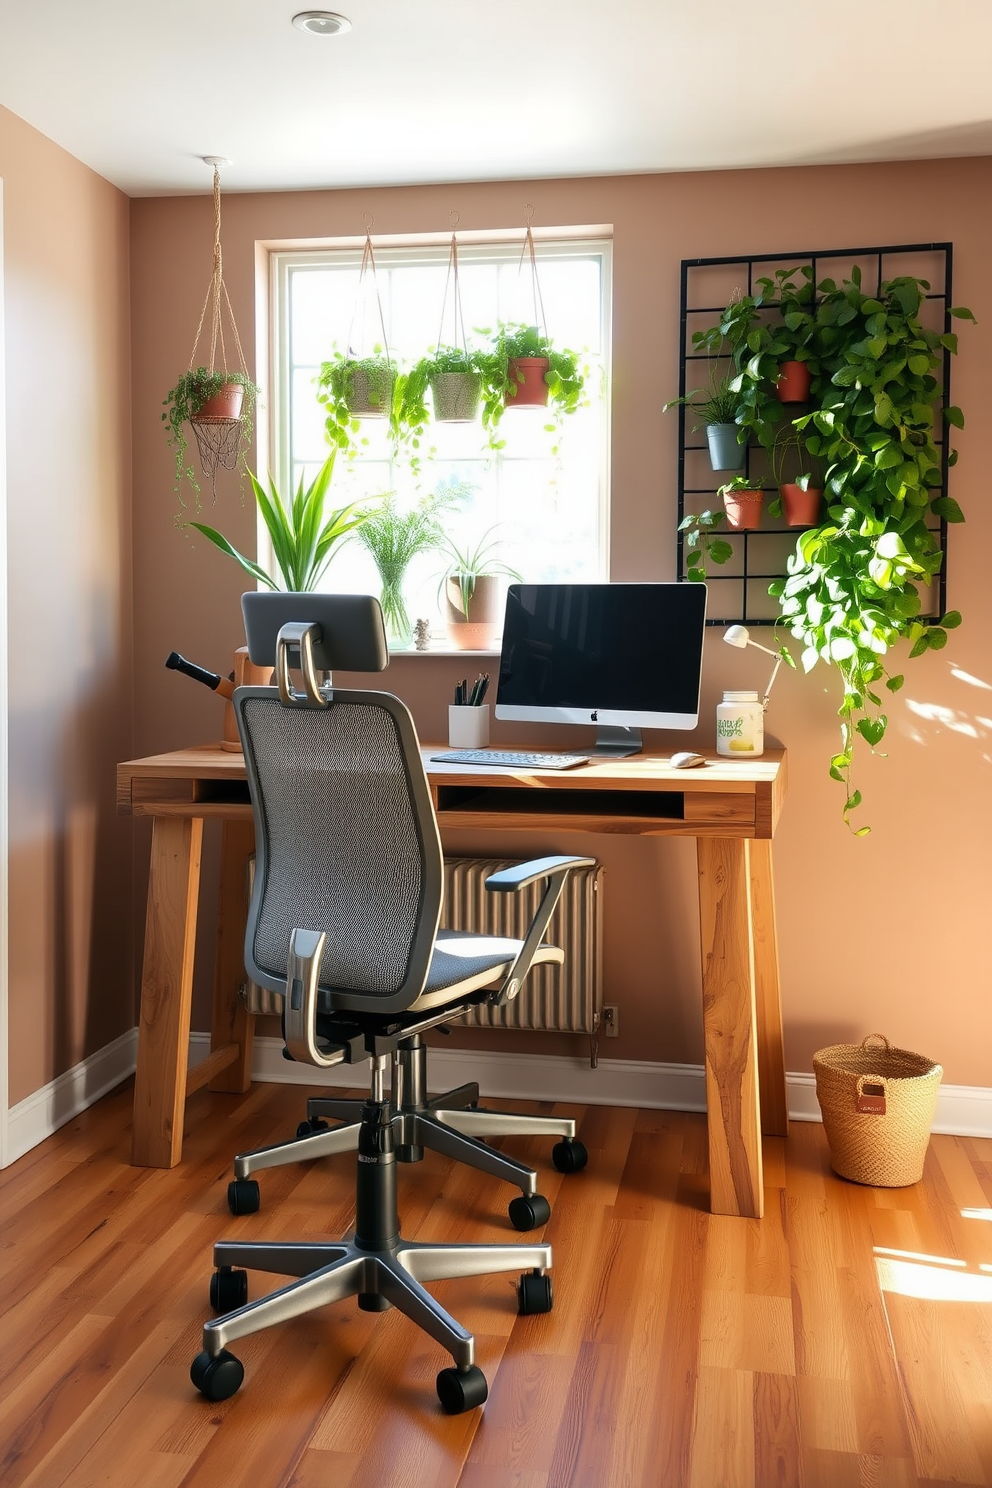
[
  {"x": 729, "y": 1026},
  {"x": 232, "y": 1023},
  {"x": 771, "y": 1049},
  {"x": 166, "y": 992}
]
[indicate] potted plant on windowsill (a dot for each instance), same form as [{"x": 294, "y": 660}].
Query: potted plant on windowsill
[
  {"x": 471, "y": 590},
  {"x": 393, "y": 537},
  {"x": 302, "y": 533},
  {"x": 208, "y": 395}
]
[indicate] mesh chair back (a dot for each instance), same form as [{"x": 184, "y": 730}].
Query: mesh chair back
[{"x": 345, "y": 842}]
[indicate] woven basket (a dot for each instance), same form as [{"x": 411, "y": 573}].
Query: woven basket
[{"x": 877, "y": 1103}]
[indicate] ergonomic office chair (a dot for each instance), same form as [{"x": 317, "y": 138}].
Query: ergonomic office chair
[
  {"x": 450, "y": 1124},
  {"x": 344, "y": 920}
]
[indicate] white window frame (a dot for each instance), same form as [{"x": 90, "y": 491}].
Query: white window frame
[{"x": 273, "y": 321}]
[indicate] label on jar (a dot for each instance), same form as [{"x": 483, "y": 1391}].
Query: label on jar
[{"x": 739, "y": 729}]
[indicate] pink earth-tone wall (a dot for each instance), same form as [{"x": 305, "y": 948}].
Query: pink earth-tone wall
[
  {"x": 68, "y": 584},
  {"x": 887, "y": 933}
]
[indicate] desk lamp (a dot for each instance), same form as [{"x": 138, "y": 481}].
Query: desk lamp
[{"x": 740, "y": 636}]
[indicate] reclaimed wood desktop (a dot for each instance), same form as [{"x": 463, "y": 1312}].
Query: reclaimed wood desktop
[{"x": 731, "y": 808}]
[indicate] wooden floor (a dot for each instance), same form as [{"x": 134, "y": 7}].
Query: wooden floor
[{"x": 844, "y": 1340}]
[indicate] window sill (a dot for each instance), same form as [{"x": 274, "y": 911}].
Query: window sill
[{"x": 440, "y": 650}]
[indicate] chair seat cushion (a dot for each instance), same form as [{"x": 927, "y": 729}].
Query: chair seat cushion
[{"x": 463, "y": 962}]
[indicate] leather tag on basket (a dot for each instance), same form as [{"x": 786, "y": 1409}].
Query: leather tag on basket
[{"x": 871, "y": 1100}]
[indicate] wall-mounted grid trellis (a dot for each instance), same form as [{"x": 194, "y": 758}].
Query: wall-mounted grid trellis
[{"x": 738, "y": 590}]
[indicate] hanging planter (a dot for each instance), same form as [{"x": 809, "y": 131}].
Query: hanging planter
[
  {"x": 352, "y": 386},
  {"x": 742, "y": 501},
  {"x": 452, "y": 373},
  {"x": 801, "y": 504},
  {"x": 217, "y": 403},
  {"x": 793, "y": 382},
  {"x": 526, "y": 370}
]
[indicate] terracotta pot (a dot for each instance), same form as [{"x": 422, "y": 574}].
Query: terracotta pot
[
  {"x": 479, "y": 629},
  {"x": 743, "y": 509},
  {"x": 527, "y": 375},
  {"x": 225, "y": 404},
  {"x": 456, "y": 396},
  {"x": 793, "y": 382},
  {"x": 802, "y": 508}
]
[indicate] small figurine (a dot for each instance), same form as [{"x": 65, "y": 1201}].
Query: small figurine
[{"x": 422, "y": 635}]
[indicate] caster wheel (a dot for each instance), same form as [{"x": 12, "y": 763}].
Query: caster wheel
[
  {"x": 228, "y": 1289},
  {"x": 307, "y": 1128},
  {"x": 243, "y": 1196},
  {"x": 527, "y": 1211},
  {"x": 461, "y": 1389},
  {"x": 569, "y": 1156},
  {"x": 217, "y": 1377},
  {"x": 534, "y": 1293}
]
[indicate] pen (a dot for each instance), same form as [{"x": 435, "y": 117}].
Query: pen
[{"x": 483, "y": 686}]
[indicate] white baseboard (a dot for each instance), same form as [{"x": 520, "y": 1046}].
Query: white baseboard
[
  {"x": 38, "y": 1115},
  {"x": 962, "y": 1110}
]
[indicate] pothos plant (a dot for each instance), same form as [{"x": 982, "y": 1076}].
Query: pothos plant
[
  {"x": 851, "y": 592},
  {"x": 336, "y": 392},
  {"x": 565, "y": 377},
  {"x": 184, "y": 401}
]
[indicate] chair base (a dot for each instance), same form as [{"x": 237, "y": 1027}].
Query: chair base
[
  {"x": 377, "y": 1266},
  {"x": 448, "y": 1124}
]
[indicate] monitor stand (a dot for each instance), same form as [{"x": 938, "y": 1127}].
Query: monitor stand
[{"x": 614, "y": 742}]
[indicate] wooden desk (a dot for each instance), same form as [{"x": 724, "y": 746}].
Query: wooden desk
[{"x": 731, "y": 808}]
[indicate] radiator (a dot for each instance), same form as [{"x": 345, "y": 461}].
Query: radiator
[{"x": 555, "y": 999}]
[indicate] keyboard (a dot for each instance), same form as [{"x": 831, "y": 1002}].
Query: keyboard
[{"x": 511, "y": 759}]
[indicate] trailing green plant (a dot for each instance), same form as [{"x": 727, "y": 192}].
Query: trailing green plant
[
  {"x": 852, "y": 587},
  {"x": 393, "y": 536},
  {"x": 303, "y": 534},
  {"x": 701, "y": 545},
  {"x": 336, "y": 393},
  {"x": 565, "y": 377},
  {"x": 184, "y": 401},
  {"x": 414, "y": 412},
  {"x": 470, "y": 563}
]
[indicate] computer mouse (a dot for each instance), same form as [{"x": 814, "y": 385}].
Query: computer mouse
[{"x": 686, "y": 760}]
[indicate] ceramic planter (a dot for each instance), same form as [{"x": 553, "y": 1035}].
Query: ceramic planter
[
  {"x": 743, "y": 509},
  {"x": 793, "y": 382},
  {"x": 725, "y": 452},
  {"x": 456, "y": 396},
  {"x": 225, "y": 404},
  {"x": 479, "y": 629},
  {"x": 371, "y": 396},
  {"x": 802, "y": 508},
  {"x": 527, "y": 375}
]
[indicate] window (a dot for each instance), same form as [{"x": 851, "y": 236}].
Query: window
[{"x": 548, "y": 511}]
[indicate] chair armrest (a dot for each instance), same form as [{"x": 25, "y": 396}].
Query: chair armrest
[
  {"x": 300, "y": 1004},
  {"x": 509, "y": 880},
  {"x": 556, "y": 870}
]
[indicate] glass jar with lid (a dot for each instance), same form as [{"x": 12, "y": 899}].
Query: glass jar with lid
[{"x": 740, "y": 725}]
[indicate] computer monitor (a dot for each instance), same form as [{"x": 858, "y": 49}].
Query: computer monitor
[{"x": 619, "y": 656}]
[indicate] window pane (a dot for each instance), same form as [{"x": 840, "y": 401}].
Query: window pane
[{"x": 542, "y": 498}]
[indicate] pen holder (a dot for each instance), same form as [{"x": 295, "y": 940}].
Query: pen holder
[{"x": 468, "y": 728}]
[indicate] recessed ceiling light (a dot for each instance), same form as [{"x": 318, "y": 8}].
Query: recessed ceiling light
[{"x": 322, "y": 22}]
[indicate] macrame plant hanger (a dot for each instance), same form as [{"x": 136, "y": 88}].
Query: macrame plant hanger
[
  {"x": 218, "y": 437},
  {"x": 457, "y": 392},
  {"x": 379, "y": 397},
  {"x": 528, "y": 251},
  {"x": 451, "y": 283}
]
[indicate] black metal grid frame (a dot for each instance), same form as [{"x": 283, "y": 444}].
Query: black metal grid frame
[{"x": 818, "y": 261}]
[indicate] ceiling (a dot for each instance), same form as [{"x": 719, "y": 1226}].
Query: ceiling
[{"x": 447, "y": 90}]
